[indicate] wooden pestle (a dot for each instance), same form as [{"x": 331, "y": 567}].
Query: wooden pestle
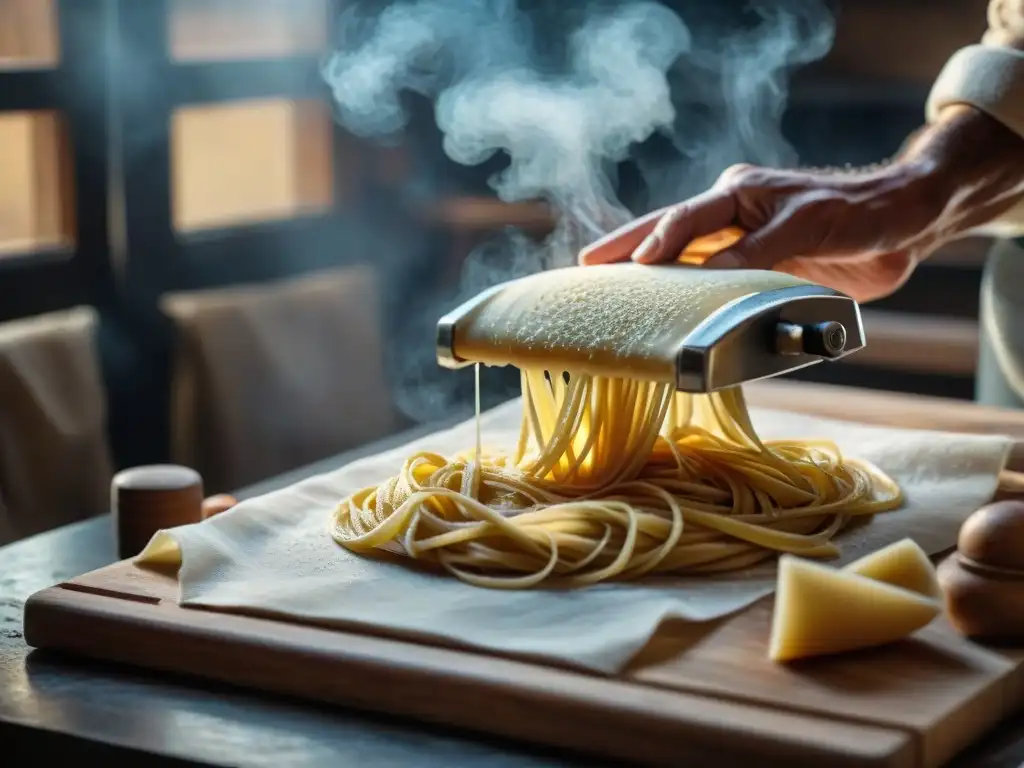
[
  {"x": 150, "y": 498},
  {"x": 983, "y": 581}
]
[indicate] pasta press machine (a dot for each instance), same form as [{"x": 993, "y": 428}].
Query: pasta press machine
[{"x": 702, "y": 329}]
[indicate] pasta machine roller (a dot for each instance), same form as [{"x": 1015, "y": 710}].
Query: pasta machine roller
[{"x": 702, "y": 329}]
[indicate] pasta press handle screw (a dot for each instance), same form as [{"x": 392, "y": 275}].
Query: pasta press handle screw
[{"x": 825, "y": 339}]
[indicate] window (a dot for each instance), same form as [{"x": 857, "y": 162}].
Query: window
[
  {"x": 234, "y": 159},
  {"x": 54, "y": 249},
  {"x": 35, "y": 183},
  {"x": 28, "y": 34},
  {"x": 219, "y": 30},
  {"x": 249, "y": 161}
]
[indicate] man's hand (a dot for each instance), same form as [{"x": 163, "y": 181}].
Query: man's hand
[{"x": 860, "y": 232}]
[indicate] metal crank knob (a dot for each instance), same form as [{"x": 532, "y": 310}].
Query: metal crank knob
[{"x": 825, "y": 339}]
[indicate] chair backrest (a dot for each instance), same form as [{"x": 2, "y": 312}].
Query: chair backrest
[
  {"x": 273, "y": 376},
  {"x": 55, "y": 461}
]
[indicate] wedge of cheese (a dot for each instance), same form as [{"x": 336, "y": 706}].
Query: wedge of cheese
[
  {"x": 902, "y": 564},
  {"x": 820, "y": 610}
]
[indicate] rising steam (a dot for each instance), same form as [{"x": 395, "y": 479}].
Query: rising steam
[{"x": 629, "y": 70}]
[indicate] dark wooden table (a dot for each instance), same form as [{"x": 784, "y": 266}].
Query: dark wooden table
[{"x": 55, "y": 708}]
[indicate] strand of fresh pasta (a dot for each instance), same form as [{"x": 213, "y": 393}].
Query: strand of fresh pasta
[{"x": 615, "y": 479}]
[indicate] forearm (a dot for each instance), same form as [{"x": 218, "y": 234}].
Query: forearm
[
  {"x": 976, "y": 163},
  {"x": 969, "y": 168},
  {"x": 974, "y": 140}
]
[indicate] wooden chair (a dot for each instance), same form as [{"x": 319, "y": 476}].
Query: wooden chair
[
  {"x": 274, "y": 376},
  {"x": 55, "y": 461}
]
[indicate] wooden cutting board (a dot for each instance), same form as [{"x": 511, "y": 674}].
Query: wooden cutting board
[{"x": 697, "y": 695}]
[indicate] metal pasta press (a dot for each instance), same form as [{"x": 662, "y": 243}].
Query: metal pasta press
[{"x": 702, "y": 329}]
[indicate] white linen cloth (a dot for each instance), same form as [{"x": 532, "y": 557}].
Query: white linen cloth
[{"x": 274, "y": 554}]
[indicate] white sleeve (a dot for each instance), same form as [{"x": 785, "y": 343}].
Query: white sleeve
[{"x": 991, "y": 79}]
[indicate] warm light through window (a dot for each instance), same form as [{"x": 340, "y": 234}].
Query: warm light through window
[
  {"x": 209, "y": 30},
  {"x": 35, "y": 188},
  {"x": 249, "y": 161}
]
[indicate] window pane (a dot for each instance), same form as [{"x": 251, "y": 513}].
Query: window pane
[
  {"x": 28, "y": 34},
  {"x": 208, "y": 30},
  {"x": 249, "y": 161},
  {"x": 35, "y": 188}
]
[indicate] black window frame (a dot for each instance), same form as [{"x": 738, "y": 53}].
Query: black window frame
[
  {"x": 164, "y": 260},
  {"x": 56, "y": 277}
]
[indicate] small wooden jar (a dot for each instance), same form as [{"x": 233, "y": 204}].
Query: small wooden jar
[
  {"x": 150, "y": 498},
  {"x": 983, "y": 581}
]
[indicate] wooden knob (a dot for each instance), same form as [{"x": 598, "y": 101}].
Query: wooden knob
[
  {"x": 148, "y": 499},
  {"x": 983, "y": 582},
  {"x": 214, "y": 505},
  {"x": 994, "y": 536}
]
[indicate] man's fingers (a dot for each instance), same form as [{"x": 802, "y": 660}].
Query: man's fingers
[
  {"x": 663, "y": 234},
  {"x": 702, "y": 215},
  {"x": 618, "y": 245}
]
